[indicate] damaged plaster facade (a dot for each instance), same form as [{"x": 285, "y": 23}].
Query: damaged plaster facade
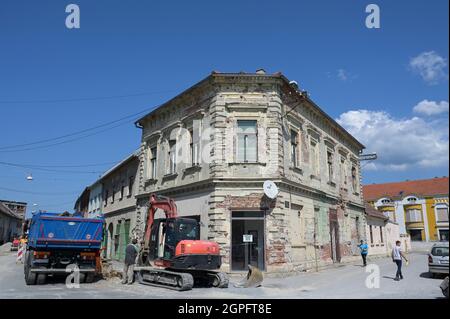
[{"x": 318, "y": 217}]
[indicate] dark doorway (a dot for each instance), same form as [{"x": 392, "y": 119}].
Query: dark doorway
[
  {"x": 248, "y": 240},
  {"x": 415, "y": 234},
  {"x": 334, "y": 236}
]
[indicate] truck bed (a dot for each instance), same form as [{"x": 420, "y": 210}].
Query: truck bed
[{"x": 53, "y": 231}]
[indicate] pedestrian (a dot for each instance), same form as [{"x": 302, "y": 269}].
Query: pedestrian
[
  {"x": 397, "y": 255},
  {"x": 364, "y": 251},
  {"x": 131, "y": 253}
]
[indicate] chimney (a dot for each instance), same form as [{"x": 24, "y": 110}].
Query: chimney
[{"x": 294, "y": 85}]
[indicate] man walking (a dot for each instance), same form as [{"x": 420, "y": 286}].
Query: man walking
[
  {"x": 397, "y": 256},
  {"x": 364, "y": 251},
  {"x": 131, "y": 253}
]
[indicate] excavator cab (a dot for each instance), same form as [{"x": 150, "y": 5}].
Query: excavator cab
[{"x": 168, "y": 233}]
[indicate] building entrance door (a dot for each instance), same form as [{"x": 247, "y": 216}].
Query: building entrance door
[{"x": 248, "y": 240}]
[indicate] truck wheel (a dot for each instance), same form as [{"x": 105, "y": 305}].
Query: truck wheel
[
  {"x": 41, "y": 279},
  {"x": 30, "y": 277},
  {"x": 82, "y": 278},
  {"x": 90, "y": 278},
  {"x": 25, "y": 263}
]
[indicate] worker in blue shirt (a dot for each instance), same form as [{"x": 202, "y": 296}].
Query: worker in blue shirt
[{"x": 364, "y": 251}]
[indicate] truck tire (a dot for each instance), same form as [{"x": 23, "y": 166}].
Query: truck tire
[
  {"x": 41, "y": 279},
  {"x": 82, "y": 278},
  {"x": 90, "y": 278},
  {"x": 30, "y": 277}
]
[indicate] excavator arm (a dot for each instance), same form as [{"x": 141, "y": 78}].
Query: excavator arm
[{"x": 158, "y": 202}]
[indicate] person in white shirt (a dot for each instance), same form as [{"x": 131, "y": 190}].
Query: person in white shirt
[{"x": 397, "y": 256}]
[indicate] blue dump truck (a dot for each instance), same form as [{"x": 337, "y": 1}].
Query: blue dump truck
[{"x": 58, "y": 243}]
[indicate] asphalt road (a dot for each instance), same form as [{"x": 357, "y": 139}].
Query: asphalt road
[{"x": 346, "y": 281}]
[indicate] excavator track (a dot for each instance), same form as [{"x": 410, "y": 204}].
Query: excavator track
[
  {"x": 165, "y": 279},
  {"x": 219, "y": 279},
  {"x": 207, "y": 278}
]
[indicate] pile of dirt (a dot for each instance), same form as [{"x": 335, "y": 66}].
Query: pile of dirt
[
  {"x": 109, "y": 272},
  {"x": 5, "y": 248}
]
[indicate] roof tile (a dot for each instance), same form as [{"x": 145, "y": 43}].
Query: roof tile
[{"x": 424, "y": 187}]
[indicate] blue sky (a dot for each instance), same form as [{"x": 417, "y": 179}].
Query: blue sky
[{"x": 387, "y": 86}]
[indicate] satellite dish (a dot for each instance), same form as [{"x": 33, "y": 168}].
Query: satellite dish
[{"x": 270, "y": 189}]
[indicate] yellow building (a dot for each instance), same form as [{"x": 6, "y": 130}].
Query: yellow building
[{"x": 420, "y": 207}]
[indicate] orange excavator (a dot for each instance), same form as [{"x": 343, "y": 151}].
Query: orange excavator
[{"x": 172, "y": 254}]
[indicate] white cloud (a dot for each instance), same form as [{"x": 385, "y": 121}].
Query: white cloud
[
  {"x": 430, "y": 66},
  {"x": 431, "y": 107},
  {"x": 401, "y": 144},
  {"x": 342, "y": 74}
]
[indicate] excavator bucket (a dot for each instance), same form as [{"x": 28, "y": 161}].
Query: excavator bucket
[{"x": 254, "y": 278}]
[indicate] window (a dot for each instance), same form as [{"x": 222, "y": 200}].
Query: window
[
  {"x": 442, "y": 214},
  {"x": 247, "y": 148},
  {"x": 440, "y": 251},
  {"x": 354, "y": 179},
  {"x": 371, "y": 234},
  {"x": 153, "y": 158},
  {"x": 343, "y": 172},
  {"x": 413, "y": 215},
  {"x": 357, "y": 227},
  {"x": 330, "y": 165},
  {"x": 193, "y": 148},
  {"x": 130, "y": 186},
  {"x": 315, "y": 165},
  {"x": 172, "y": 157},
  {"x": 381, "y": 234},
  {"x": 106, "y": 197},
  {"x": 113, "y": 197},
  {"x": 122, "y": 191},
  {"x": 391, "y": 215},
  {"x": 294, "y": 148}
]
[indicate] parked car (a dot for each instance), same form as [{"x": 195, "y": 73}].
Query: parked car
[
  {"x": 15, "y": 244},
  {"x": 438, "y": 259},
  {"x": 444, "y": 287}
]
